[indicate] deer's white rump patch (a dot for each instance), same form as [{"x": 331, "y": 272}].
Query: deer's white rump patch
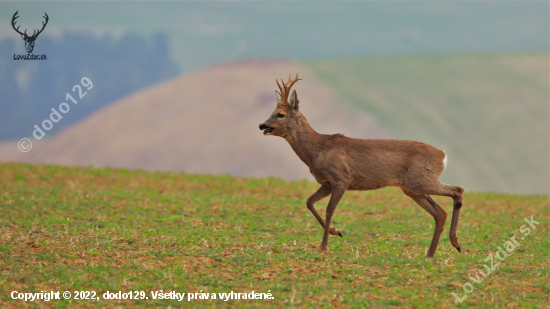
[{"x": 444, "y": 160}]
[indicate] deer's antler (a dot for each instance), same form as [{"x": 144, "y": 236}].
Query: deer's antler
[
  {"x": 13, "y": 23},
  {"x": 43, "y": 26},
  {"x": 285, "y": 88}
]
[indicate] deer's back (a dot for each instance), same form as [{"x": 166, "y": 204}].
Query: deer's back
[{"x": 374, "y": 163}]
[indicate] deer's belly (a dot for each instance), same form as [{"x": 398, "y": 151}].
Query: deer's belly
[
  {"x": 368, "y": 183},
  {"x": 360, "y": 186}
]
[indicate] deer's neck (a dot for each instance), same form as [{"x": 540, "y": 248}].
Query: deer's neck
[{"x": 304, "y": 141}]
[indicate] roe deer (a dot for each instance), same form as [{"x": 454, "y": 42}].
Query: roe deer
[{"x": 341, "y": 163}]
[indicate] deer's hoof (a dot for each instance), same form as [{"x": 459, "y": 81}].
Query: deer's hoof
[
  {"x": 454, "y": 242},
  {"x": 334, "y": 232}
]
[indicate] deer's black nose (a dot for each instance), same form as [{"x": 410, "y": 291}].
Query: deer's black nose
[{"x": 263, "y": 126}]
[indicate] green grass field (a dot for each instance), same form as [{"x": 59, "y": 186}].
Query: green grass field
[
  {"x": 86, "y": 229},
  {"x": 488, "y": 111}
]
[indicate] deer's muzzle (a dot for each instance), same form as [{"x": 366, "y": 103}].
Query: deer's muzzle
[{"x": 267, "y": 129}]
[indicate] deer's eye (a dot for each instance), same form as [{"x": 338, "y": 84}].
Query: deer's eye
[{"x": 280, "y": 116}]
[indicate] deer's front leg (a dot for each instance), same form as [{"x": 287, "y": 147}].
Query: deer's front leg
[
  {"x": 321, "y": 193},
  {"x": 338, "y": 191}
]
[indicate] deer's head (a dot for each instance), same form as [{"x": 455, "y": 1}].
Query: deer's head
[
  {"x": 286, "y": 117},
  {"x": 29, "y": 40}
]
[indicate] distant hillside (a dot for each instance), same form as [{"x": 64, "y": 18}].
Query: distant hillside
[
  {"x": 202, "y": 122},
  {"x": 488, "y": 112},
  {"x": 29, "y": 89}
]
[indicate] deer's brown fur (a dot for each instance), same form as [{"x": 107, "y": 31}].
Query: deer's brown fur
[{"x": 341, "y": 163}]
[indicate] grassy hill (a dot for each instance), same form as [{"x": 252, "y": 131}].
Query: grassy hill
[
  {"x": 489, "y": 112},
  {"x": 70, "y": 229}
]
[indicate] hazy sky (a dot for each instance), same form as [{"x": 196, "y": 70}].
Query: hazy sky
[{"x": 203, "y": 33}]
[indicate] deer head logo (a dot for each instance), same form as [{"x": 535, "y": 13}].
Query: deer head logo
[{"x": 29, "y": 40}]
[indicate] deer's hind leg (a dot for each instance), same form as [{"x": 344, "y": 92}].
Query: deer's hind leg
[
  {"x": 457, "y": 199},
  {"x": 321, "y": 193},
  {"x": 438, "y": 213},
  {"x": 455, "y": 192},
  {"x": 430, "y": 185}
]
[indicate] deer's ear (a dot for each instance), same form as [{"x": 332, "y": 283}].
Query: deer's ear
[
  {"x": 278, "y": 96},
  {"x": 294, "y": 100}
]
